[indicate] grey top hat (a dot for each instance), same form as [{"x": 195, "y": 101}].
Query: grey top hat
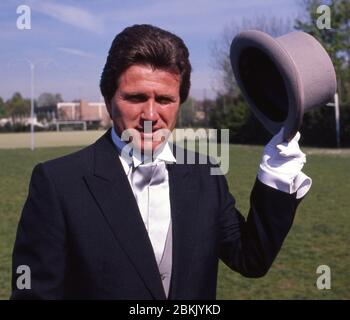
[{"x": 281, "y": 78}]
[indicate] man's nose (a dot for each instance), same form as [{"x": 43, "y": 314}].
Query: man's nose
[{"x": 149, "y": 111}]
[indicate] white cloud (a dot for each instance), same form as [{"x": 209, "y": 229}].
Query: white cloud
[
  {"x": 200, "y": 18},
  {"x": 76, "y": 52},
  {"x": 75, "y": 16}
]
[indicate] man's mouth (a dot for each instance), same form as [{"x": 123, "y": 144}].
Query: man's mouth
[
  {"x": 146, "y": 131},
  {"x": 151, "y": 134}
]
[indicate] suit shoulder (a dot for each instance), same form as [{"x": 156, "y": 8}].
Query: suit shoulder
[
  {"x": 79, "y": 163},
  {"x": 71, "y": 164}
]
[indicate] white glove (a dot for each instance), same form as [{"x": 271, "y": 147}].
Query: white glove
[{"x": 281, "y": 166}]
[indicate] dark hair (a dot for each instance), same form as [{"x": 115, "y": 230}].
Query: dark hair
[{"x": 145, "y": 44}]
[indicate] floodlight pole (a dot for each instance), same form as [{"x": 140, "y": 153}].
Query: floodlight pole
[
  {"x": 32, "y": 114},
  {"x": 337, "y": 121},
  {"x": 31, "y": 66},
  {"x": 32, "y": 142},
  {"x": 337, "y": 117}
]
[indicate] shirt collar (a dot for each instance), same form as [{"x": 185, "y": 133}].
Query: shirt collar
[{"x": 162, "y": 153}]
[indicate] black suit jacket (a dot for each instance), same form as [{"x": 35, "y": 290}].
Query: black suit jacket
[{"x": 83, "y": 237}]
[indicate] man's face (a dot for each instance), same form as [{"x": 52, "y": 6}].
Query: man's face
[{"x": 145, "y": 94}]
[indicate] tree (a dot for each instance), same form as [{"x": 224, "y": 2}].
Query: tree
[
  {"x": 335, "y": 40},
  {"x": 230, "y": 112},
  {"x": 48, "y": 99},
  {"x": 186, "y": 113},
  {"x": 46, "y": 106},
  {"x": 337, "y": 43},
  {"x": 207, "y": 106},
  {"x": 2, "y": 108},
  {"x": 17, "y": 107}
]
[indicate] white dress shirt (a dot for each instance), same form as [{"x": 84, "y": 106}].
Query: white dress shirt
[{"x": 154, "y": 204}]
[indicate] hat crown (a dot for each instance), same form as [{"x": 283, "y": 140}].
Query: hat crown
[
  {"x": 283, "y": 77},
  {"x": 314, "y": 66}
]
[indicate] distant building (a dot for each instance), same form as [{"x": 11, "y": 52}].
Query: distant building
[{"x": 93, "y": 113}]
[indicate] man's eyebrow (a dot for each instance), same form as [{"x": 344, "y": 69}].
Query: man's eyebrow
[
  {"x": 144, "y": 95},
  {"x": 167, "y": 96},
  {"x": 133, "y": 94}
]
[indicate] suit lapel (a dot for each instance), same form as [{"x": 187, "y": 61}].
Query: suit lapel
[{"x": 111, "y": 190}]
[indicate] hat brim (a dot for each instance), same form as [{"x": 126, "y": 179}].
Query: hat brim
[{"x": 277, "y": 102}]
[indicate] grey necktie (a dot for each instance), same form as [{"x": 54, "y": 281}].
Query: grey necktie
[{"x": 146, "y": 174}]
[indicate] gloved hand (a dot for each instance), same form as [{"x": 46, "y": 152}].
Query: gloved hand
[{"x": 281, "y": 166}]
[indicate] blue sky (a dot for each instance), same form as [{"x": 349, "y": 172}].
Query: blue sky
[{"x": 69, "y": 40}]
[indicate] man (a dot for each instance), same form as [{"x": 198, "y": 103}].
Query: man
[{"x": 105, "y": 223}]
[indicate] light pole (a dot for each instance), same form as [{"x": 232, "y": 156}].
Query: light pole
[
  {"x": 32, "y": 141},
  {"x": 335, "y": 104},
  {"x": 31, "y": 66},
  {"x": 32, "y": 114}
]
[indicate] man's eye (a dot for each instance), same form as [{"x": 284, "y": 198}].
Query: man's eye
[
  {"x": 137, "y": 98},
  {"x": 164, "y": 100}
]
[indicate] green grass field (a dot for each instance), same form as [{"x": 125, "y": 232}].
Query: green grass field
[{"x": 320, "y": 234}]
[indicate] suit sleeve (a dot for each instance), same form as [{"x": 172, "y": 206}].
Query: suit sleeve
[
  {"x": 40, "y": 242},
  {"x": 250, "y": 246}
]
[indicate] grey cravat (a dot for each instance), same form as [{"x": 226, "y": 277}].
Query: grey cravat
[{"x": 148, "y": 182}]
